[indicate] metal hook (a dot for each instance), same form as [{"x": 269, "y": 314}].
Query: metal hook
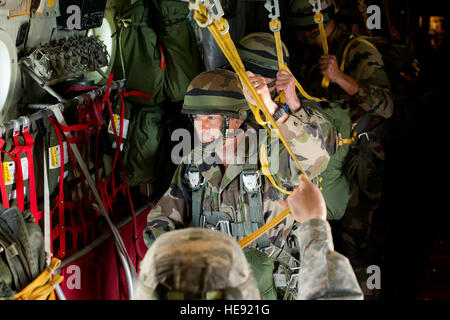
[
  {"x": 25, "y": 123},
  {"x": 2, "y": 130},
  {"x": 16, "y": 127},
  {"x": 317, "y": 5},
  {"x": 270, "y": 5}
]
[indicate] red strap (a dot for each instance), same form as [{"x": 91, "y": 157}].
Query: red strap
[
  {"x": 79, "y": 87},
  {"x": 19, "y": 174},
  {"x": 140, "y": 94},
  {"x": 77, "y": 127},
  {"x": 107, "y": 101},
  {"x": 5, "y": 199},
  {"x": 162, "y": 64}
]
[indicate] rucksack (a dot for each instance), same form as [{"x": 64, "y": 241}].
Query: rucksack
[
  {"x": 142, "y": 56},
  {"x": 179, "y": 44},
  {"x": 22, "y": 254}
]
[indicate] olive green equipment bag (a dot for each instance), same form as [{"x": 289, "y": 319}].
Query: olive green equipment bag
[
  {"x": 145, "y": 154},
  {"x": 337, "y": 189},
  {"x": 141, "y": 55},
  {"x": 262, "y": 268},
  {"x": 22, "y": 253},
  {"x": 179, "y": 43}
]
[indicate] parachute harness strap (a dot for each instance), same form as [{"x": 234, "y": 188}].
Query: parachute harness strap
[{"x": 219, "y": 30}]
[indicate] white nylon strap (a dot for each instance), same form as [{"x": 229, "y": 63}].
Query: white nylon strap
[{"x": 47, "y": 220}]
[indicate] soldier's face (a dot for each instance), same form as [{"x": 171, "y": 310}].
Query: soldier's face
[
  {"x": 305, "y": 37},
  {"x": 208, "y": 127}
]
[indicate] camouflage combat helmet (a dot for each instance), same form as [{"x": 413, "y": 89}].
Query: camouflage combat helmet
[
  {"x": 301, "y": 14},
  {"x": 259, "y": 54},
  {"x": 195, "y": 263},
  {"x": 216, "y": 92}
]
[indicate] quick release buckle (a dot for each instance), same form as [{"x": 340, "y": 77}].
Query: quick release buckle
[
  {"x": 252, "y": 181},
  {"x": 224, "y": 226},
  {"x": 194, "y": 179}
]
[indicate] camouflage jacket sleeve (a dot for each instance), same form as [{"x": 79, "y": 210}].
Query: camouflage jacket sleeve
[
  {"x": 170, "y": 212},
  {"x": 304, "y": 135},
  {"x": 324, "y": 273},
  {"x": 365, "y": 64}
]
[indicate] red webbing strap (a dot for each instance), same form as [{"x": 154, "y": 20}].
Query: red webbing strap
[
  {"x": 79, "y": 88},
  {"x": 28, "y": 148},
  {"x": 162, "y": 63},
  {"x": 60, "y": 199},
  {"x": 82, "y": 201},
  {"x": 5, "y": 199},
  {"x": 19, "y": 174},
  {"x": 107, "y": 101}
]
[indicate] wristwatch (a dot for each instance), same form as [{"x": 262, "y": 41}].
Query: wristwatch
[{"x": 282, "y": 110}]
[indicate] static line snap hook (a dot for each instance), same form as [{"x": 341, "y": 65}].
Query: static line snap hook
[
  {"x": 2, "y": 130},
  {"x": 25, "y": 123},
  {"x": 16, "y": 127}
]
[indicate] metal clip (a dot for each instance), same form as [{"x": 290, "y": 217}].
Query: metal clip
[
  {"x": 25, "y": 123},
  {"x": 224, "y": 226},
  {"x": 270, "y": 6},
  {"x": 2, "y": 130},
  {"x": 252, "y": 181},
  {"x": 317, "y": 5},
  {"x": 364, "y": 134},
  {"x": 194, "y": 179},
  {"x": 215, "y": 10},
  {"x": 16, "y": 128}
]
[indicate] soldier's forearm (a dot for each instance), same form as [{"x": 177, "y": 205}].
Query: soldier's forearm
[
  {"x": 324, "y": 273},
  {"x": 348, "y": 84}
]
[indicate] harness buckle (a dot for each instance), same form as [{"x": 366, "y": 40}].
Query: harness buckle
[
  {"x": 224, "y": 226},
  {"x": 194, "y": 179},
  {"x": 252, "y": 182}
]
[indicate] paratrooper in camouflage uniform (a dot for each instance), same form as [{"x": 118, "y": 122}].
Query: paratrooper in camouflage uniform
[
  {"x": 235, "y": 198},
  {"x": 365, "y": 85}
]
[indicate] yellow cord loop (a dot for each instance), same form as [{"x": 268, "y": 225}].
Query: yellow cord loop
[
  {"x": 43, "y": 286},
  {"x": 276, "y": 25},
  {"x": 265, "y": 169},
  {"x": 270, "y": 225},
  {"x": 318, "y": 18}
]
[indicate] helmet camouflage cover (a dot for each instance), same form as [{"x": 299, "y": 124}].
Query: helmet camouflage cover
[
  {"x": 195, "y": 263},
  {"x": 216, "y": 92},
  {"x": 301, "y": 14},
  {"x": 259, "y": 54}
]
